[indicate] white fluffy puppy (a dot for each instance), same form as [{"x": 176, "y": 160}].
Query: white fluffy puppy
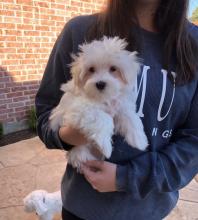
[
  {"x": 100, "y": 98},
  {"x": 45, "y": 204}
]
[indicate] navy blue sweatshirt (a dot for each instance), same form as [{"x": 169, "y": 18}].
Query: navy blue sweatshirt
[{"x": 147, "y": 182}]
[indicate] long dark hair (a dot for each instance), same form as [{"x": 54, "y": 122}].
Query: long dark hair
[{"x": 170, "y": 21}]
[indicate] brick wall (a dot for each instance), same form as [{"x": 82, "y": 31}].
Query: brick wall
[{"x": 28, "y": 30}]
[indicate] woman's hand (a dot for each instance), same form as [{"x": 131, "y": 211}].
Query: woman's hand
[
  {"x": 72, "y": 136},
  {"x": 100, "y": 174}
]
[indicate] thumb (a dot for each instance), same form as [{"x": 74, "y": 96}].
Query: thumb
[
  {"x": 88, "y": 173},
  {"x": 95, "y": 164}
]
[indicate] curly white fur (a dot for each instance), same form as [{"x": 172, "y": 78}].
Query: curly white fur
[
  {"x": 44, "y": 204},
  {"x": 100, "y": 98}
]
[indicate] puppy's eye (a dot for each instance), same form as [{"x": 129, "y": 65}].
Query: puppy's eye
[
  {"x": 91, "y": 69},
  {"x": 113, "y": 69}
]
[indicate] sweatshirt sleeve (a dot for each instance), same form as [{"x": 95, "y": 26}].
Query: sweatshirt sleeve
[
  {"x": 167, "y": 170},
  {"x": 49, "y": 94}
]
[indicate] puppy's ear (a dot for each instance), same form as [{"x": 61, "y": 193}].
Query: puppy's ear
[
  {"x": 28, "y": 205},
  {"x": 132, "y": 68},
  {"x": 76, "y": 70},
  {"x": 40, "y": 206}
]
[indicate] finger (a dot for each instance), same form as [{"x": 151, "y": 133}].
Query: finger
[
  {"x": 89, "y": 174},
  {"x": 90, "y": 177},
  {"x": 98, "y": 164},
  {"x": 94, "y": 187}
]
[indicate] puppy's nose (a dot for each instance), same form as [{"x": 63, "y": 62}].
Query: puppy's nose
[{"x": 100, "y": 85}]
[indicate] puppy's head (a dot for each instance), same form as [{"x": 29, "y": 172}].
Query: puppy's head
[
  {"x": 104, "y": 67},
  {"x": 35, "y": 202}
]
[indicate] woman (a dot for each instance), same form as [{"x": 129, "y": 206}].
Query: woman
[{"x": 132, "y": 184}]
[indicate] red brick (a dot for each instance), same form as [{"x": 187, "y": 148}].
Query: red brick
[
  {"x": 2, "y": 97},
  {"x": 31, "y": 33},
  {"x": 14, "y": 44},
  {"x": 35, "y": 87},
  {"x": 11, "y": 6},
  {"x": 15, "y": 56},
  {"x": 3, "y": 107},
  {"x": 24, "y": 50},
  {"x": 16, "y": 114},
  {"x": 8, "y": 1},
  {"x": 5, "y": 90},
  {"x": 19, "y": 99},
  {"x": 19, "y": 88},
  {"x": 42, "y": 4},
  {"x": 13, "y": 32},
  {"x": 24, "y": 27},
  {"x": 27, "y": 61},
  {"x": 6, "y": 13},
  {"x": 28, "y": 8},
  {"x": 10, "y": 84},
  {"x": 10, "y": 62},
  {"x": 20, "y": 109},
  {"x": 5, "y": 79},
  {"x": 42, "y": 28},
  {"x": 2, "y": 85},
  {"x": 5, "y": 111},
  {"x": 8, "y": 38},
  {"x": 7, "y": 25},
  {"x": 24, "y": 2},
  {"x": 16, "y": 104},
  {"x": 14, "y": 94},
  {"x": 3, "y": 117},
  {"x": 21, "y": 117},
  {"x": 5, "y": 101},
  {"x": 7, "y": 50}
]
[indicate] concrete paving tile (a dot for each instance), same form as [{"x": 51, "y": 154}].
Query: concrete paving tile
[
  {"x": 20, "y": 152},
  {"x": 49, "y": 176},
  {"x": 1, "y": 166},
  {"x": 15, "y": 183},
  {"x": 17, "y": 213},
  {"x": 184, "y": 211},
  {"x": 189, "y": 195},
  {"x": 175, "y": 215},
  {"x": 48, "y": 157}
]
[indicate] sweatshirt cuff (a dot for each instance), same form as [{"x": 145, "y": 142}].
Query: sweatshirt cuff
[
  {"x": 60, "y": 144},
  {"x": 121, "y": 178}
]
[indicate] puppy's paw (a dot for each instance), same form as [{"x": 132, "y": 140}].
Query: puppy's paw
[
  {"x": 105, "y": 147},
  {"x": 78, "y": 155},
  {"x": 138, "y": 140}
]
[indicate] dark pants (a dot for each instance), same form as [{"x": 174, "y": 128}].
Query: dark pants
[{"x": 66, "y": 215}]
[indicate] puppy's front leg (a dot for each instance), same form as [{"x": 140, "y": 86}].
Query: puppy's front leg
[
  {"x": 79, "y": 154},
  {"x": 129, "y": 125},
  {"x": 96, "y": 124},
  {"x": 102, "y": 133}
]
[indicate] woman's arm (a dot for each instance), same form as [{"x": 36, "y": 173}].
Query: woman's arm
[
  {"x": 167, "y": 170},
  {"x": 49, "y": 95}
]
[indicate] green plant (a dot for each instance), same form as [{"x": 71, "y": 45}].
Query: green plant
[
  {"x": 1, "y": 129},
  {"x": 32, "y": 120}
]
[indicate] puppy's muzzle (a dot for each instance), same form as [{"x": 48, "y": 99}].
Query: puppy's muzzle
[{"x": 100, "y": 85}]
